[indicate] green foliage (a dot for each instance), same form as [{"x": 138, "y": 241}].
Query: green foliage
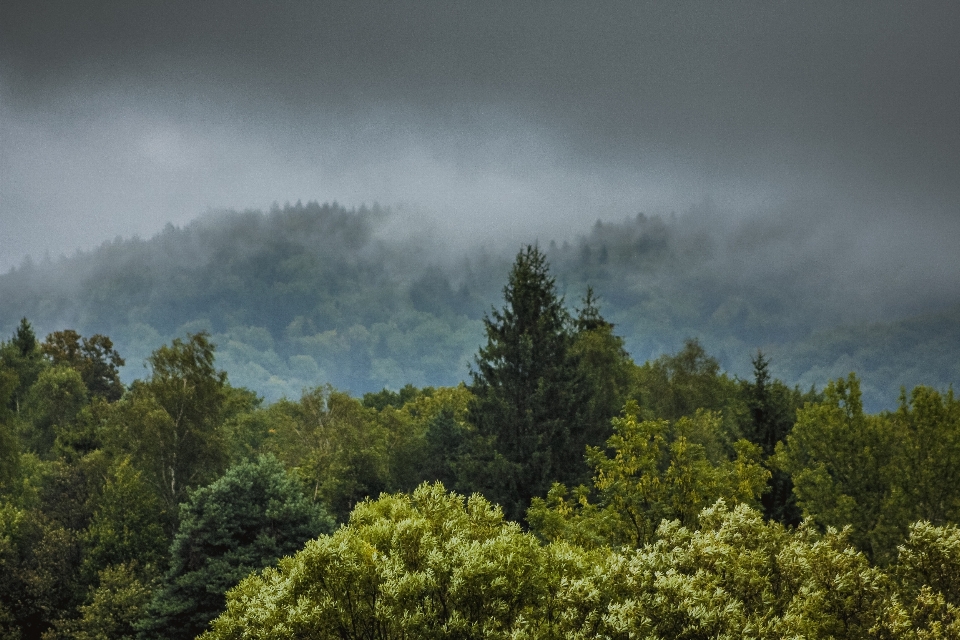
[
  {"x": 246, "y": 424},
  {"x": 94, "y": 358},
  {"x": 528, "y": 395},
  {"x": 21, "y": 357},
  {"x": 113, "y": 607},
  {"x": 655, "y": 471},
  {"x": 24, "y": 339},
  {"x": 770, "y": 416},
  {"x": 52, "y": 406},
  {"x": 840, "y": 460},
  {"x": 246, "y": 520},
  {"x": 91, "y": 483},
  {"x": 42, "y": 578},
  {"x": 60, "y": 537},
  {"x": 737, "y": 576},
  {"x": 9, "y": 440},
  {"x": 428, "y": 438},
  {"x": 39, "y": 558},
  {"x": 11, "y": 524},
  {"x": 126, "y": 528},
  {"x": 606, "y": 372},
  {"x": 927, "y": 602},
  {"x": 674, "y": 386},
  {"x": 171, "y": 424},
  {"x": 426, "y": 565},
  {"x": 432, "y": 565},
  {"x": 877, "y": 473},
  {"x": 926, "y": 477},
  {"x": 387, "y": 398},
  {"x": 333, "y": 445},
  {"x": 930, "y": 557}
]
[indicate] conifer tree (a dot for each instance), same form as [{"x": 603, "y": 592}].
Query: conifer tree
[
  {"x": 526, "y": 389},
  {"x": 21, "y": 356},
  {"x": 248, "y": 519},
  {"x": 773, "y": 409},
  {"x": 606, "y": 373}
]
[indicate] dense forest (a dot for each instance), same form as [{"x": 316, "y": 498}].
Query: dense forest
[
  {"x": 563, "y": 490},
  {"x": 363, "y": 299}
]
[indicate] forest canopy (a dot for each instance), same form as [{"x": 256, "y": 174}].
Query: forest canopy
[{"x": 564, "y": 491}]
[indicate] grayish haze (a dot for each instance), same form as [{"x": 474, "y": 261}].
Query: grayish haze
[{"x": 825, "y": 136}]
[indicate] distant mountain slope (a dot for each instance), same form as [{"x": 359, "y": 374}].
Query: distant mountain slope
[
  {"x": 309, "y": 294},
  {"x": 294, "y": 298},
  {"x": 887, "y": 356}
]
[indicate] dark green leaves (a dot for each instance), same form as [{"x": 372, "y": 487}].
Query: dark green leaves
[{"x": 246, "y": 520}]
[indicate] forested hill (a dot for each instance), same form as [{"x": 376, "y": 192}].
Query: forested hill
[
  {"x": 308, "y": 294},
  {"x": 293, "y": 297}
]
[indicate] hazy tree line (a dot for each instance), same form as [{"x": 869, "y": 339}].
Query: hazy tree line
[
  {"x": 307, "y": 294},
  {"x": 608, "y": 498}
]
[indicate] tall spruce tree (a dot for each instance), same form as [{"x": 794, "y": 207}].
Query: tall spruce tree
[
  {"x": 606, "y": 373},
  {"x": 773, "y": 409},
  {"x": 21, "y": 356},
  {"x": 526, "y": 388},
  {"x": 24, "y": 339}
]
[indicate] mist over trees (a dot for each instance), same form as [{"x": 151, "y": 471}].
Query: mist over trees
[{"x": 365, "y": 299}]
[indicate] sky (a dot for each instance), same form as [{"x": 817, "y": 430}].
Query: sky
[{"x": 491, "y": 122}]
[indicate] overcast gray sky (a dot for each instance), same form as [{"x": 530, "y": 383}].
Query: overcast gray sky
[{"x": 495, "y": 120}]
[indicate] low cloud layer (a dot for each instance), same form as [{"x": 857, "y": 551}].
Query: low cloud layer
[{"x": 496, "y": 123}]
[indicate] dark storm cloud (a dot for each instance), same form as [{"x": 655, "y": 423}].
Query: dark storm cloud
[
  {"x": 721, "y": 86},
  {"x": 524, "y": 118}
]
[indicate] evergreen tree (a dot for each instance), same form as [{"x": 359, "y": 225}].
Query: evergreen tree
[
  {"x": 773, "y": 409},
  {"x": 606, "y": 372},
  {"x": 21, "y": 356},
  {"x": 24, "y": 339},
  {"x": 527, "y": 395},
  {"x": 245, "y": 521}
]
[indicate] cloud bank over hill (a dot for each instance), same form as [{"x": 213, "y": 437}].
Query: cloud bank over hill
[
  {"x": 495, "y": 123},
  {"x": 311, "y": 294}
]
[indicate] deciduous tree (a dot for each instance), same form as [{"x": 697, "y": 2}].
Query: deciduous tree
[
  {"x": 94, "y": 358},
  {"x": 651, "y": 471},
  {"x": 429, "y": 565},
  {"x": 841, "y": 459},
  {"x": 171, "y": 424},
  {"x": 334, "y": 445},
  {"x": 877, "y": 473}
]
